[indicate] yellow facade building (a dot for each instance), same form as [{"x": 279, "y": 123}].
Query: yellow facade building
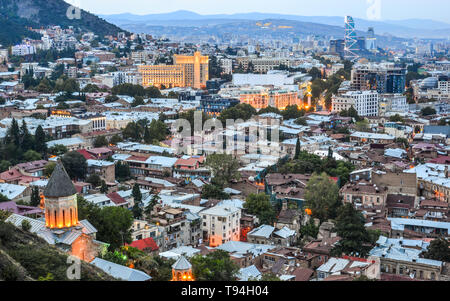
[
  {"x": 187, "y": 71},
  {"x": 262, "y": 98}
]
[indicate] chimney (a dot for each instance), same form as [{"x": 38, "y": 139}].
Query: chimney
[
  {"x": 446, "y": 171},
  {"x": 284, "y": 205}
]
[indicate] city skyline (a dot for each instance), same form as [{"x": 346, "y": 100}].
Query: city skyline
[{"x": 365, "y": 9}]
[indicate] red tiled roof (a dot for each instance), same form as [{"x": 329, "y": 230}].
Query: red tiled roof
[
  {"x": 441, "y": 160},
  {"x": 86, "y": 154},
  {"x": 188, "y": 162},
  {"x": 116, "y": 198},
  {"x": 137, "y": 158},
  {"x": 146, "y": 243},
  {"x": 303, "y": 274},
  {"x": 99, "y": 150},
  {"x": 10, "y": 175}
]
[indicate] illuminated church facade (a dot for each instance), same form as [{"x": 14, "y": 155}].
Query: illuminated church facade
[{"x": 61, "y": 226}]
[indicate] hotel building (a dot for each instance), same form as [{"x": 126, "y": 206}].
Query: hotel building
[{"x": 187, "y": 71}]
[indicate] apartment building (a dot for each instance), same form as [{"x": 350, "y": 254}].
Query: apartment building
[
  {"x": 221, "y": 224},
  {"x": 187, "y": 71},
  {"x": 365, "y": 102}
]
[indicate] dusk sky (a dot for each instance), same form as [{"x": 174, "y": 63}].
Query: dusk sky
[{"x": 390, "y": 9}]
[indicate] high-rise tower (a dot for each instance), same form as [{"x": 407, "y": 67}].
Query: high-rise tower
[
  {"x": 371, "y": 40},
  {"x": 351, "y": 41}
]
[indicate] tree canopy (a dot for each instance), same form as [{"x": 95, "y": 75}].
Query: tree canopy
[
  {"x": 322, "y": 197},
  {"x": 355, "y": 239},
  {"x": 215, "y": 266},
  {"x": 260, "y": 205}
]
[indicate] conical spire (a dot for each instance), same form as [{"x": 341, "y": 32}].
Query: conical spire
[
  {"x": 182, "y": 264},
  {"x": 60, "y": 184}
]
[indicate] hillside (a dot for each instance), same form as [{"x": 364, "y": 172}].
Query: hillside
[
  {"x": 16, "y": 15},
  {"x": 26, "y": 257}
]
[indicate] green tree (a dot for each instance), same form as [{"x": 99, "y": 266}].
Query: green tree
[
  {"x": 322, "y": 197},
  {"x": 362, "y": 126},
  {"x": 3, "y": 198},
  {"x": 138, "y": 101},
  {"x": 396, "y": 118},
  {"x": 153, "y": 92},
  {"x": 113, "y": 223},
  {"x": 75, "y": 165},
  {"x": 439, "y": 249},
  {"x": 355, "y": 239},
  {"x": 94, "y": 179},
  {"x": 153, "y": 201},
  {"x": 115, "y": 139},
  {"x": 260, "y": 205},
  {"x": 241, "y": 111},
  {"x": 100, "y": 141},
  {"x": 48, "y": 170},
  {"x": 224, "y": 168},
  {"x": 136, "y": 192},
  {"x": 35, "y": 199},
  {"x": 269, "y": 277},
  {"x": 269, "y": 109},
  {"x": 215, "y": 266},
  {"x": 158, "y": 268},
  {"x": 39, "y": 138},
  {"x": 26, "y": 226},
  {"x": 214, "y": 192},
  {"x": 122, "y": 171},
  {"x": 427, "y": 111},
  {"x": 104, "y": 187},
  {"x": 27, "y": 141},
  {"x": 116, "y": 257},
  {"x": 297, "y": 149},
  {"x": 4, "y": 165},
  {"x": 309, "y": 230},
  {"x": 292, "y": 112},
  {"x": 31, "y": 155},
  {"x": 58, "y": 150},
  {"x": 301, "y": 121},
  {"x": 137, "y": 197}
]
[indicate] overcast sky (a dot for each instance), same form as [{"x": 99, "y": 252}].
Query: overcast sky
[{"x": 389, "y": 9}]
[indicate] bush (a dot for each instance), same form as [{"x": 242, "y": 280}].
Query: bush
[{"x": 26, "y": 226}]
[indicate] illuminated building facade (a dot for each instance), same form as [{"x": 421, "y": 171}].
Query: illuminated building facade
[
  {"x": 182, "y": 270},
  {"x": 162, "y": 75},
  {"x": 62, "y": 227},
  {"x": 187, "y": 71},
  {"x": 262, "y": 98},
  {"x": 221, "y": 224},
  {"x": 60, "y": 200}
]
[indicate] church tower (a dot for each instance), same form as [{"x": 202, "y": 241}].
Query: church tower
[
  {"x": 61, "y": 209},
  {"x": 182, "y": 270}
]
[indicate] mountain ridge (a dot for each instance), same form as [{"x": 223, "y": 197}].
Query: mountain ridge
[
  {"x": 18, "y": 15},
  {"x": 408, "y": 28}
]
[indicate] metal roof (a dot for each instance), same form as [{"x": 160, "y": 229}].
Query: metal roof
[
  {"x": 181, "y": 264},
  {"x": 119, "y": 271},
  {"x": 251, "y": 271},
  {"x": 262, "y": 231}
]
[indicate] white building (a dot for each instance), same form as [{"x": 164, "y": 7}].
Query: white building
[
  {"x": 365, "y": 102},
  {"x": 390, "y": 104},
  {"x": 220, "y": 224},
  {"x": 23, "y": 49}
]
